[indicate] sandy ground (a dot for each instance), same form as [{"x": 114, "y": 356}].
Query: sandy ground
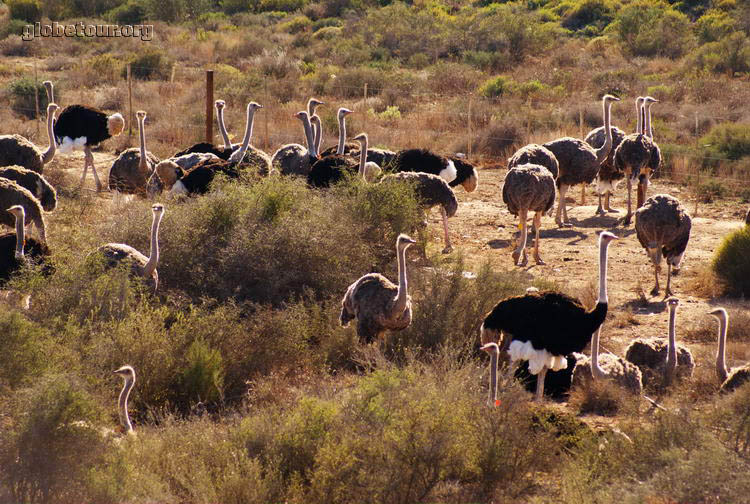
[{"x": 484, "y": 229}]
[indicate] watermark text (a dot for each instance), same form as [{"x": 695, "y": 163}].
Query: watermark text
[{"x": 144, "y": 32}]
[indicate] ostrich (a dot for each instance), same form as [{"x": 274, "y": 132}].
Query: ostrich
[
  {"x": 117, "y": 253},
  {"x": 378, "y": 304},
  {"x": 543, "y": 328},
  {"x": 466, "y": 175},
  {"x": 81, "y": 126},
  {"x": 537, "y": 155},
  {"x": 607, "y": 366},
  {"x": 658, "y": 361},
  {"x": 663, "y": 228},
  {"x": 16, "y": 250},
  {"x": 312, "y": 104},
  {"x": 222, "y": 152},
  {"x": 609, "y": 176},
  {"x": 747, "y": 218},
  {"x": 17, "y": 150},
  {"x": 131, "y": 170},
  {"x": 171, "y": 176},
  {"x": 632, "y": 156},
  {"x": 528, "y": 187},
  {"x": 579, "y": 162},
  {"x": 655, "y": 159},
  {"x": 128, "y": 375},
  {"x": 35, "y": 183},
  {"x": 13, "y": 194},
  {"x": 342, "y": 147},
  {"x": 422, "y": 160},
  {"x": 730, "y": 379},
  {"x": 294, "y": 159}
]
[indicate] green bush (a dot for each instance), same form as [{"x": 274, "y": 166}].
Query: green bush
[
  {"x": 496, "y": 87},
  {"x": 203, "y": 377},
  {"x": 730, "y": 262},
  {"x": 151, "y": 64},
  {"x": 728, "y": 140},
  {"x": 589, "y": 16},
  {"x": 653, "y": 29},
  {"x": 282, "y": 5},
  {"x": 231, "y": 7},
  {"x": 326, "y": 22},
  {"x": 22, "y": 98},
  {"x": 709, "y": 191},
  {"x": 28, "y": 351},
  {"x": 12, "y": 27},
  {"x": 714, "y": 25},
  {"x": 128, "y": 13},
  {"x": 296, "y": 24},
  {"x": 729, "y": 55},
  {"x": 106, "y": 67},
  {"x": 26, "y": 10}
]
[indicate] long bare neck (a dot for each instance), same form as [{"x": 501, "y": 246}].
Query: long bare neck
[
  {"x": 342, "y": 134},
  {"x": 223, "y": 128},
  {"x": 721, "y": 356},
  {"x": 596, "y": 371},
  {"x": 123, "y": 405},
  {"x": 403, "y": 288},
  {"x": 153, "y": 258},
  {"x": 603, "y": 273},
  {"x": 20, "y": 237},
  {"x": 318, "y": 129},
  {"x": 671, "y": 344},
  {"x": 142, "y": 138},
  {"x": 639, "y": 111},
  {"x": 248, "y": 133},
  {"x": 493, "y": 375},
  {"x": 362, "y": 157},
  {"x": 48, "y": 154},
  {"x": 309, "y": 136},
  {"x": 647, "y": 127},
  {"x": 603, "y": 151}
]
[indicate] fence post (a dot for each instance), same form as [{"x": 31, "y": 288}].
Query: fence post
[
  {"x": 171, "y": 77},
  {"x": 36, "y": 99},
  {"x": 364, "y": 100},
  {"x": 209, "y": 106},
  {"x": 130, "y": 103},
  {"x": 697, "y": 189},
  {"x": 469, "y": 125},
  {"x": 267, "y": 142}
]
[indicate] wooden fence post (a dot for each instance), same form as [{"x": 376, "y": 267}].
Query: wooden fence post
[
  {"x": 209, "y": 106},
  {"x": 130, "y": 103},
  {"x": 364, "y": 116},
  {"x": 267, "y": 141},
  {"x": 469, "y": 125}
]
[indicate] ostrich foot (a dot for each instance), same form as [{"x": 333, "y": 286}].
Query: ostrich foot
[
  {"x": 515, "y": 255},
  {"x": 612, "y": 210},
  {"x": 539, "y": 260},
  {"x": 667, "y": 293},
  {"x": 655, "y": 291},
  {"x": 599, "y": 211},
  {"x": 448, "y": 249},
  {"x": 524, "y": 261},
  {"x": 626, "y": 220},
  {"x": 564, "y": 224}
]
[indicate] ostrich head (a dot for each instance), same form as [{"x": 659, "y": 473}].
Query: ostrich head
[
  {"x": 648, "y": 100},
  {"x": 302, "y": 115},
  {"x": 605, "y": 237},
  {"x": 127, "y": 373},
  {"x": 157, "y": 209},
  {"x": 403, "y": 241},
  {"x": 361, "y": 138},
  {"x": 140, "y": 115},
  {"x": 50, "y": 90},
  {"x": 719, "y": 313},
  {"x": 17, "y": 210},
  {"x": 343, "y": 112},
  {"x": 312, "y": 103},
  {"x": 254, "y": 106},
  {"x": 220, "y": 104},
  {"x": 608, "y": 98},
  {"x": 672, "y": 302}
]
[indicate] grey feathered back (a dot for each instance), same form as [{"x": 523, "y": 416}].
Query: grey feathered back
[
  {"x": 663, "y": 222},
  {"x": 634, "y": 152},
  {"x": 13, "y": 194},
  {"x": 577, "y": 159},
  {"x": 530, "y": 187},
  {"x": 432, "y": 190},
  {"x": 35, "y": 183},
  {"x": 17, "y": 150},
  {"x": 535, "y": 154},
  {"x": 596, "y": 139}
]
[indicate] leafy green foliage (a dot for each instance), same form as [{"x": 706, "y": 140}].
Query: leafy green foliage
[
  {"x": 26, "y": 10},
  {"x": 651, "y": 29},
  {"x": 128, "y": 13},
  {"x": 151, "y": 64},
  {"x": 730, "y": 262},
  {"x": 729, "y": 140},
  {"x": 23, "y": 98}
]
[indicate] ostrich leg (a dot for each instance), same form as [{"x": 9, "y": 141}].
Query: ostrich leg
[
  {"x": 668, "y": 290},
  {"x": 583, "y": 194},
  {"x": 540, "y": 385},
  {"x": 600, "y": 208},
  {"x": 90, "y": 160},
  {"x": 448, "y": 247},
  {"x": 537, "y": 226},
  {"x": 655, "y": 290},
  {"x": 626, "y": 220}
]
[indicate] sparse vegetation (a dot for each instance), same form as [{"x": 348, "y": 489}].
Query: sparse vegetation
[{"x": 730, "y": 262}]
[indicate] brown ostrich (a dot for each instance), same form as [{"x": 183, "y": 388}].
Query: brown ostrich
[
  {"x": 537, "y": 155},
  {"x": 654, "y": 162},
  {"x": 730, "y": 379},
  {"x": 607, "y": 366},
  {"x": 294, "y": 159},
  {"x": 633, "y": 157},
  {"x": 12, "y": 194},
  {"x": 17, "y": 150},
  {"x": 659, "y": 361},
  {"x": 579, "y": 162},
  {"x": 528, "y": 187},
  {"x": 663, "y": 228},
  {"x": 609, "y": 176},
  {"x": 378, "y": 304},
  {"x": 131, "y": 170},
  {"x": 16, "y": 249},
  {"x": 141, "y": 266},
  {"x": 35, "y": 183}
]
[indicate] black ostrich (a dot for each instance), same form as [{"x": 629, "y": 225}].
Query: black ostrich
[
  {"x": 16, "y": 249},
  {"x": 425, "y": 161},
  {"x": 83, "y": 127},
  {"x": 556, "y": 383},
  {"x": 466, "y": 173},
  {"x": 544, "y": 328}
]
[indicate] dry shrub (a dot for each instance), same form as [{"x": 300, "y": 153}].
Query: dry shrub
[
  {"x": 500, "y": 138},
  {"x": 730, "y": 262},
  {"x": 599, "y": 397}
]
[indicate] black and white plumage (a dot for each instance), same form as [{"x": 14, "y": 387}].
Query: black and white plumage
[
  {"x": 579, "y": 162},
  {"x": 528, "y": 188},
  {"x": 130, "y": 172},
  {"x": 663, "y": 225},
  {"x": 19, "y": 151},
  {"x": 661, "y": 361},
  {"x": 466, "y": 174},
  {"x": 378, "y": 304},
  {"x": 294, "y": 159},
  {"x": 609, "y": 176},
  {"x": 556, "y": 383},
  {"x": 114, "y": 254},
  {"x": 329, "y": 170},
  {"x": 423, "y": 160},
  {"x": 730, "y": 379},
  {"x": 84, "y": 127},
  {"x": 544, "y": 328},
  {"x": 35, "y": 183},
  {"x": 12, "y": 194},
  {"x": 16, "y": 250}
]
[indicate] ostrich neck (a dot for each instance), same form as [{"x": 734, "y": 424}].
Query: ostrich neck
[
  {"x": 400, "y": 303},
  {"x": 721, "y": 357},
  {"x": 342, "y": 134},
  {"x": 647, "y": 126},
  {"x": 223, "y": 128},
  {"x": 153, "y": 258},
  {"x": 639, "y": 111},
  {"x": 318, "y": 133},
  {"x": 51, "y": 147},
  {"x": 248, "y": 133},
  {"x": 603, "y": 273},
  {"x": 123, "y": 404},
  {"x": 309, "y": 136},
  {"x": 20, "y": 237},
  {"x": 596, "y": 371},
  {"x": 493, "y": 375},
  {"x": 362, "y": 158},
  {"x": 603, "y": 151},
  {"x": 671, "y": 342},
  {"x": 142, "y": 138}
]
